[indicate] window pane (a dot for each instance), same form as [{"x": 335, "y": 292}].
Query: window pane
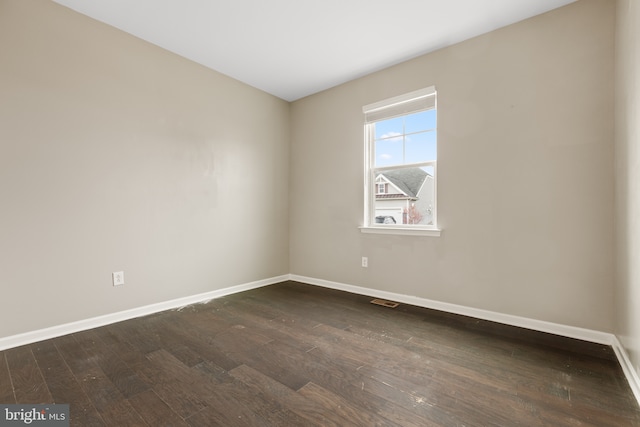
[
  {"x": 424, "y": 120},
  {"x": 389, "y": 128},
  {"x": 409, "y": 198},
  {"x": 420, "y": 147},
  {"x": 389, "y": 152}
]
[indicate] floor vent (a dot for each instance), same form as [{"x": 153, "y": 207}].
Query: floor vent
[{"x": 385, "y": 303}]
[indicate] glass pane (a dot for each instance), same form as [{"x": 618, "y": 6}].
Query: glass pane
[
  {"x": 420, "y": 147},
  {"x": 389, "y": 152},
  {"x": 424, "y": 120},
  {"x": 389, "y": 128},
  {"x": 409, "y": 199}
]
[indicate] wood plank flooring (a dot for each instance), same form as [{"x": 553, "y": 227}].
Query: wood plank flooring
[{"x": 298, "y": 355}]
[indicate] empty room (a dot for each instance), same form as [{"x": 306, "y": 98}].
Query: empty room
[{"x": 337, "y": 213}]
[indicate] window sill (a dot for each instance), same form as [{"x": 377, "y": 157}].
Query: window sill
[{"x": 405, "y": 231}]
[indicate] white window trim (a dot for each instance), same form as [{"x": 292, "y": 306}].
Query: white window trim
[
  {"x": 397, "y": 104},
  {"x": 403, "y": 231}
]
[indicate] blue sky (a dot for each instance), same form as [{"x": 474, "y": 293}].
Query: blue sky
[{"x": 407, "y": 139}]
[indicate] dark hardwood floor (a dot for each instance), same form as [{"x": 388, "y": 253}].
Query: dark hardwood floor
[{"x": 299, "y": 355}]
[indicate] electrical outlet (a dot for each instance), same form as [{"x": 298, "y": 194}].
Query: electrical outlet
[
  {"x": 365, "y": 262},
  {"x": 118, "y": 278}
]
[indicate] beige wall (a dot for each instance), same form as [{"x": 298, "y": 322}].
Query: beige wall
[
  {"x": 627, "y": 167},
  {"x": 525, "y": 185},
  {"x": 117, "y": 155}
]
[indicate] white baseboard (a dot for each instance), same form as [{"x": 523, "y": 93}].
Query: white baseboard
[
  {"x": 507, "y": 319},
  {"x": 627, "y": 367},
  {"x": 95, "y": 322},
  {"x": 522, "y": 322}
]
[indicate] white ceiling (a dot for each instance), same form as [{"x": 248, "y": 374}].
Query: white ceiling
[{"x": 294, "y": 48}]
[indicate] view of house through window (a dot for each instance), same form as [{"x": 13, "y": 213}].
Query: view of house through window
[{"x": 401, "y": 153}]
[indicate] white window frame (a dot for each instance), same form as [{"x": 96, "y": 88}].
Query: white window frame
[{"x": 412, "y": 102}]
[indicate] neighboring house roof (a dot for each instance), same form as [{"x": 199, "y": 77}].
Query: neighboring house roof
[
  {"x": 409, "y": 180},
  {"x": 394, "y": 197}
]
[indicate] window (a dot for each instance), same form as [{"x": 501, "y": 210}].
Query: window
[
  {"x": 383, "y": 186},
  {"x": 400, "y": 164}
]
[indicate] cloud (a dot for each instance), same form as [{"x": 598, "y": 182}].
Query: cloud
[
  {"x": 385, "y": 156},
  {"x": 392, "y": 136}
]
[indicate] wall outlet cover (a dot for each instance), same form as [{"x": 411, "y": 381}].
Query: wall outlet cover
[{"x": 118, "y": 278}]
